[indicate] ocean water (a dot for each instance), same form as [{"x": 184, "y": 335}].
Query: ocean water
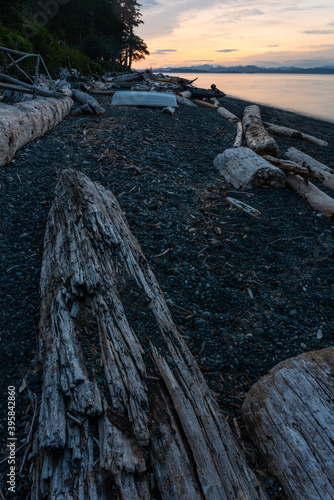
[{"x": 311, "y": 95}]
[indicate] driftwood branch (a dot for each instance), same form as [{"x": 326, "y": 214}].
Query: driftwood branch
[
  {"x": 318, "y": 200},
  {"x": 240, "y": 205},
  {"x": 319, "y": 171},
  {"x": 293, "y": 134},
  {"x": 144, "y": 436}
]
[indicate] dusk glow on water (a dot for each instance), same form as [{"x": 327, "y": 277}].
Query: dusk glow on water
[{"x": 312, "y": 95}]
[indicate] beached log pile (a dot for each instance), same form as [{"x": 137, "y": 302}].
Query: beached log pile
[{"x": 125, "y": 411}]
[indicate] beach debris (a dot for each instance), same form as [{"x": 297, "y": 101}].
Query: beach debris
[
  {"x": 225, "y": 113},
  {"x": 320, "y": 171},
  {"x": 142, "y": 98},
  {"x": 23, "y": 122},
  {"x": 206, "y": 104},
  {"x": 185, "y": 101},
  {"x": 186, "y": 94},
  {"x": 240, "y": 205},
  {"x": 288, "y": 414},
  {"x": 200, "y": 93},
  {"x": 257, "y": 137},
  {"x": 239, "y": 136},
  {"x": 169, "y": 110},
  {"x": 215, "y": 101},
  {"x": 292, "y": 134},
  {"x": 243, "y": 169},
  {"x": 134, "y": 416},
  {"x": 318, "y": 200},
  {"x": 89, "y": 104}
]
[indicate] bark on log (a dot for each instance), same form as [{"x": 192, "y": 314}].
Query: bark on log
[
  {"x": 292, "y": 134},
  {"x": 227, "y": 115},
  {"x": 289, "y": 415},
  {"x": 257, "y": 137},
  {"x": 321, "y": 172},
  {"x": 243, "y": 168},
  {"x": 86, "y": 99},
  {"x": 290, "y": 166},
  {"x": 95, "y": 284},
  {"x": 239, "y": 136},
  {"x": 26, "y": 121},
  {"x": 318, "y": 200}
]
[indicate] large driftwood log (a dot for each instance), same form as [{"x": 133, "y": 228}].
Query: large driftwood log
[
  {"x": 89, "y": 102},
  {"x": 26, "y": 121},
  {"x": 257, "y": 137},
  {"x": 289, "y": 415},
  {"x": 292, "y": 134},
  {"x": 320, "y": 171},
  {"x": 141, "y": 435},
  {"x": 318, "y": 200},
  {"x": 243, "y": 168}
]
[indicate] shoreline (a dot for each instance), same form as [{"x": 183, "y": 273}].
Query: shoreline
[{"x": 177, "y": 201}]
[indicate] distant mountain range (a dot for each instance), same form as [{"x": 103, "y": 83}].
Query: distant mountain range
[{"x": 208, "y": 68}]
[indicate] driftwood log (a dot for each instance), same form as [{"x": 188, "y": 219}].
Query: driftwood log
[
  {"x": 243, "y": 168},
  {"x": 186, "y": 94},
  {"x": 318, "y": 200},
  {"x": 291, "y": 166},
  {"x": 206, "y": 104},
  {"x": 320, "y": 171},
  {"x": 292, "y": 134},
  {"x": 225, "y": 113},
  {"x": 184, "y": 100},
  {"x": 289, "y": 415},
  {"x": 91, "y": 106},
  {"x": 257, "y": 137},
  {"x": 125, "y": 411},
  {"x": 26, "y": 121}
]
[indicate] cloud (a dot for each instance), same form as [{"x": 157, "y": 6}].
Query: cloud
[
  {"x": 318, "y": 32},
  {"x": 238, "y": 15},
  {"x": 227, "y": 50},
  {"x": 147, "y": 4},
  {"x": 272, "y": 45},
  {"x": 163, "y": 51}
]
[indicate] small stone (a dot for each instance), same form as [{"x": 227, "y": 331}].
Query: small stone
[
  {"x": 258, "y": 331},
  {"x": 293, "y": 312},
  {"x": 319, "y": 334},
  {"x": 303, "y": 346},
  {"x": 169, "y": 359}
]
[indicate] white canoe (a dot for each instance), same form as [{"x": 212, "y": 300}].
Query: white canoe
[{"x": 142, "y": 98}]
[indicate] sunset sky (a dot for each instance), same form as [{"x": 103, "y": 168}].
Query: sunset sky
[{"x": 232, "y": 32}]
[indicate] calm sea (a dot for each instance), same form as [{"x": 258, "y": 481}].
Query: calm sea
[{"x": 312, "y": 95}]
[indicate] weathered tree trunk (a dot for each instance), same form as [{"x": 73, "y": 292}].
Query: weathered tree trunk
[
  {"x": 257, "y": 137},
  {"x": 289, "y": 415},
  {"x": 321, "y": 172},
  {"x": 243, "y": 168},
  {"x": 292, "y": 134},
  {"x": 318, "y": 200},
  {"x": 88, "y": 101},
  {"x": 184, "y": 100},
  {"x": 147, "y": 428},
  {"x": 26, "y": 121},
  {"x": 225, "y": 113}
]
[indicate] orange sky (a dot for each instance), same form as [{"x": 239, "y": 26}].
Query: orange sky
[{"x": 233, "y": 32}]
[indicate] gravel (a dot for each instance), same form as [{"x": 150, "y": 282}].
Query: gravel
[{"x": 246, "y": 292}]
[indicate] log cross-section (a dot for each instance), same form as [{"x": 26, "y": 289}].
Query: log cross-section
[{"x": 125, "y": 411}]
